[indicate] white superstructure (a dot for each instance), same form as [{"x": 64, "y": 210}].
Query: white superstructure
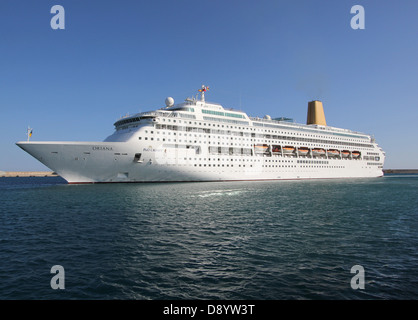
[{"x": 202, "y": 141}]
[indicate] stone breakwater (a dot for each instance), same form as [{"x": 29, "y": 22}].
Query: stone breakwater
[
  {"x": 27, "y": 174},
  {"x": 400, "y": 170}
]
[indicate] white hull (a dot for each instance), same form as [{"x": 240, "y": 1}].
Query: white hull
[
  {"x": 199, "y": 141},
  {"x": 101, "y": 162}
]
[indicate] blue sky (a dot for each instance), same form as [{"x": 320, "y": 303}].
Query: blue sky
[{"x": 264, "y": 57}]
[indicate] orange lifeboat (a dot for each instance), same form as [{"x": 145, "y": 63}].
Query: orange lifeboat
[
  {"x": 288, "y": 150},
  {"x": 317, "y": 152},
  {"x": 345, "y": 153},
  {"x": 303, "y": 151},
  {"x": 333, "y": 153},
  {"x": 260, "y": 148}
]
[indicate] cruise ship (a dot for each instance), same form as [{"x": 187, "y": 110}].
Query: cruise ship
[{"x": 196, "y": 140}]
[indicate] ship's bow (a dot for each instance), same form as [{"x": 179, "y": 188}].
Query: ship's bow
[{"x": 77, "y": 162}]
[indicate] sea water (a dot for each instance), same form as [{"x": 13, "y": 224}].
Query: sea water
[{"x": 295, "y": 239}]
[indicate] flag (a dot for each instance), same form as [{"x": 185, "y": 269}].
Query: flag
[
  {"x": 204, "y": 89},
  {"x": 30, "y": 131}
]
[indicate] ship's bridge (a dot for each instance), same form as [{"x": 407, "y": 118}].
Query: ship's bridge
[
  {"x": 191, "y": 102},
  {"x": 203, "y": 108}
]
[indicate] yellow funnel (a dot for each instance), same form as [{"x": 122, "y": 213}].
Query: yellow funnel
[{"x": 316, "y": 113}]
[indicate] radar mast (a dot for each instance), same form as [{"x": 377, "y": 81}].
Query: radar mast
[{"x": 202, "y": 92}]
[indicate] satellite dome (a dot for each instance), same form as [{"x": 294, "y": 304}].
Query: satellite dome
[
  {"x": 169, "y": 101},
  {"x": 267, "y": 117}
]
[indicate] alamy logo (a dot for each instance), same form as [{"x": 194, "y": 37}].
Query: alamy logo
[
  {"x": 58, "y": 21},
  {"x": 358, "y": 21},
  {"x": 58, "y": 281},
  {"x": 357, "y": 282}
]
